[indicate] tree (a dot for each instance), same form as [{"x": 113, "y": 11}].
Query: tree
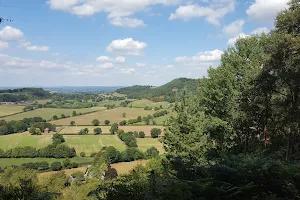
[
  {"x": 124, "y": 115},
  {"x": 113, "y": 154},
  {"x": 84, "y": 131},
  {"x": 152, "y": 152},
  {"x": 99, "y": 166},
  {"x": 55, "y": 117},
  {"x": 82, "y": 154},
  {"x": 141, "y": 134},
  {"x": 97, "y": 131},
  {"x": 74, "y": 113},
  {"x": 72, "y": 123},
  {"x": 62, "y": 116},
  {"x": 96, "y": 122},
  {"x": 123, "y": 123},
  {"x": 155, "y": 132},
  {"x": 147, "y": 119},
  {"x": 57, "y": 139},
  {"x": 106, "y": 122},
  {"x": 56, "y": 166},
  {"x": 139, "y": 119},
  {"x": 114, "y": 128}
]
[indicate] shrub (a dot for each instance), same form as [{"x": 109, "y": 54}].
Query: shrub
[
  {"x": 57, "y": 139},
  {"x": 127, "y": 138},
  {"x": 56, "y": 166},
  {"x": 114, "y": 128},
  {"x": 82, "y": 154},
  {"x": 97, "y": 131},
  {"x": 160, "y": 113},
  {"x": 106, "y": 122},
  {"x": 152, "y": 152},
  {"x": 96, "y": 122},
  {"x": 55, "y": 117},
  {"x": 155, "y": 132},
  {"x": 135, "y": 134},
  {"x": 67, "y": 164},
  {"x": 84, "y": 131},
  {"x": 132, "y": 154},
  {"x": 113, "y": 154},
  {"x": 123, "y": 123},
  {"x": 74, "y": 165},
  {"x": 141, "y": 134},
  {"x": 72, "y": 123}
]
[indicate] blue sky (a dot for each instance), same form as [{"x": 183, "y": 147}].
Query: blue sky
[{"x": 122, "y": 42}]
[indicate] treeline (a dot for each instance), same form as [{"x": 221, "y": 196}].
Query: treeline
[
  {"x": 45, "y": 166},
  {"x": 19, "y": 126},
  {"x": 23, "y": 94},
  {"x": 162, "y": 93},
  {"x": 128, "y": 138}
]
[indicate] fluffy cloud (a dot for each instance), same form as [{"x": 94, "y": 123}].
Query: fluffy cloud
[
  {"x": 140, "y": 64},
  {"x": 265, "y": 11},
  {"x": 212, "y": 13},
  {"x": 259, "y": 31},
  {"x": 232, "y": 41},
  {"x": 119, "y": 59},
  {"x": 127, "y": 46},
  {"x": 37, "y": 48},
  {"x": 234, "y": 28},
  {"x": 126, "y": 22},
  {"x": 3, "y": 45},
  {"x": 207, "y": 56},
  {"x": 9, "y": 33},
  {"x": 107, "y": 66}
]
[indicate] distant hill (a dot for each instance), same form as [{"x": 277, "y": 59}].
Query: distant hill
[
  {"x": 22, "y": 94},
  {"x": 166, "y": 92}
]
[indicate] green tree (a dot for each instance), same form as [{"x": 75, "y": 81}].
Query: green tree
[
  {"x": 155, "y": 132},
  {"x": 139, "y": 119},
  {"x": 114, "y": 128},
  {"x": 106, "y": 122},
  {"x": 57, "y": 139},
  {"x": 141, "y": 134},
  {"x": 72, "y": 123},
  {"x": 96, "y": 122},
  {"x": 98, "y": 131},
  {"x": 55, "y": 117},
  {"x": 84, "y": 131},
  {"x": 56, "y": 166},
  {"x": 62, "y": 116},
  {"x": 152, "y": 152},
  {"x": 74, "y": 113}
]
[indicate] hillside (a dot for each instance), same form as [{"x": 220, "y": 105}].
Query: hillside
[
  {"x": 164, "y": 92},
  {"x": 23, "y": 94}
]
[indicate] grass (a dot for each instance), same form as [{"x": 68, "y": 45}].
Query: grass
[
  {"x": 10, "y": 109},
  {"x": 4, "y": 162},
  {"x": 147, "y": 143},
  {"x": 114, "y": 115},
  {"x": 47, "y": 113},
  {"x": 144, "y": 102},
  {"x": 105, "y": 129},
  {"x": 93, "y": 143}
]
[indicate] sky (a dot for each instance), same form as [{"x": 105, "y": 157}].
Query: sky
[{"x": 122, "y": 42}]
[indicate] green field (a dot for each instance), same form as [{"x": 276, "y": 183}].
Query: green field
[
  {"x": 10, "y": 109},
  {"x": 114, "y": 115},
  {"x": 93, "y": 143},
  {"x": 4, "y": 162},
  {"x": 47, "y": 113},
  {"x": 146, "y": 143},
  {"x": 144, "y": 102},
  {"x": 159, "y": 120}
]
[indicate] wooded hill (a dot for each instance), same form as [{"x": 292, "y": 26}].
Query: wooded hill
[
  {"x": 166, "y": 92},
  {"x": 23, "y": 94}
]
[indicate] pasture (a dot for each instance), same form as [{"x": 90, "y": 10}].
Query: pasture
[
  {"x": 144, "y": 102},
  {"x": 47, "y": 113},
  {"x": 114, "y": 116},
  {"x": 105, "y": 129},
  {"x": 147, "y": 143},
  {"x": 10, "y": 109},
  {"x": 4, "y": 162}
]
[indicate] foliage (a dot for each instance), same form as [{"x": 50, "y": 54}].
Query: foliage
[
  {"x": 96, "y": 122},
  {"x": 114, "y": 128},
  {"x": 57, "y": 139},
  {"x": 128, "y": 138},
  {"x": 84, "y": 131},
  {"x": 106, "y": 122},
  {"x": 72, "y": 123},
  {"x": 97, "y": 131},
  {"x": 56, "y": 166},
  {"x": 155, "y": 132},
  {"x": 123, "y": 123},
  {"x": 141, "y": 134},
  {"x": 152, "y": 152},
  {"x": 82, "y": 154}
]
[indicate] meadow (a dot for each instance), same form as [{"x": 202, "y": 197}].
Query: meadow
[
  {"x": 10, "y": 109},
  {"x": 144, "y": 102},
  {"x": 47, "y": 113},
  {"x": 4, "y": 162},
  {"x": 114, "y": 116},
  {"x": 105, "y": 129},
  {"x": 147, "y": 143}
]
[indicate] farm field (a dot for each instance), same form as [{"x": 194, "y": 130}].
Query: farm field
[
  {"x": 145, "y": 102},
  {"x": 114, "y": 115},
  {"x": 93, "y": 143},
  {"x": 147, "y": 143},
  {"x": 105, "y": 129},
  {"x": 122, "y": 168},
  {"x": 47, "y": 113},
  {"x": 4, "y": 162},
  {"x": 159, "y": 120},
  {"x": 10, "y": 109}
]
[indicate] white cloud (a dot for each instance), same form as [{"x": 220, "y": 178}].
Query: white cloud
[
  {"x": 37, "y": 48},
  {"x": 62, "y": 4},
  {"x": 9, "y": 33},
  {"x": 3, "y": 45},
  {"x": 140, "y": 64},
  {"x": 212, "y": 13},
  {"x": 127, "y": 70},
  {"x": 126, "y": 22},
  {"x": 234, "y": 28},
  {"x": 119, "y": 59},
  {"x": 259, "y": 31},
  {"x": 265, "y": 11},
  {"x": 233, "y": 40},
  {"x": 207, "y": 56},
  {"x": 127, "y": 46},
  {"x": 107, "y": 66}
]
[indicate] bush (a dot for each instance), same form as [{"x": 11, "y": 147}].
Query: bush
[
  {"x": 113, "y": 154},
  {"x": 96, "y": 122},
  {"x": 128, "y": 139},
  {"x": 135, "y": 134},
  {"x": 57, "y": 139},
  {"x": 56, "y": 166},
  {"x": 82, "y": 154},
  {"x": 55, "y": 117},
  {"x": 74, "y": 165},
  {"x": 123, "y": 123},
  {"x": 155, "y": 132},
  {"x": 106, "y": 122},
  {"x": 132, "y": 154},
  {"x": 152, "y": 152},
  {"x": 114, "y": 128},
  {"x": 72, "y": 123},
  {"x": 84, "y": 131},
  {"x": 141, "y": 134},
  {"x": 67, "y": 164},
  {"x": 160, "y": 113},
  {"x": 97, "y": 131}
]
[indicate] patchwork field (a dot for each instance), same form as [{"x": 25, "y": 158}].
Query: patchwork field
[
  {"x": 114, "y": 115},
  {"x": 47, "y": 113},
  {"x": 160, "y": 120},
  {"x": 146, "y": 143},
  {"x": 4, "y": 162},
  {"x": 144, "y": 102},
  {"x": 105, "y": 129},
  {"x": 10, "y": 109},
  {"x": 93, "y": 143}
]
